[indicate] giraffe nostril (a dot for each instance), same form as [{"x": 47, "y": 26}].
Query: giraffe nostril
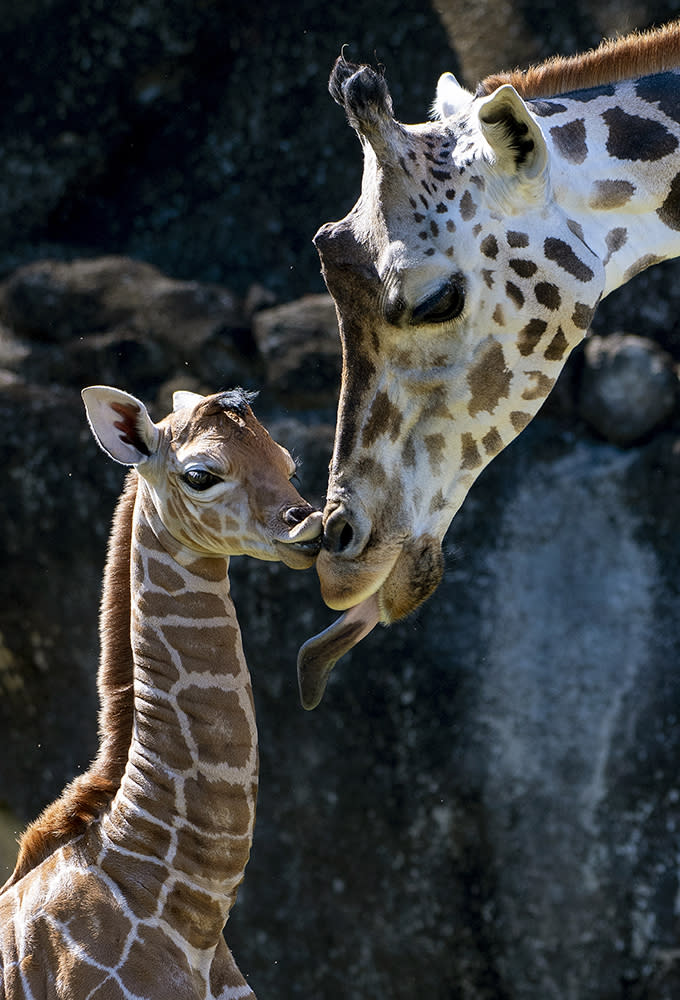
[
  {"x": 338, "y": 533},
  {"x": 296, "y": 515}
]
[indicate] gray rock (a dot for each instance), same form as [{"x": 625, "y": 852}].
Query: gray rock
[
  {"x": 301, "y": 349},
  {"x": 114, "y": 320},
  {"x": 629, "y": 387}
]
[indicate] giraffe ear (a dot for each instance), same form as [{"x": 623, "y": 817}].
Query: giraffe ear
[
  {"x": 451, "y": 97},
  {"x": 121, "y": 424},
  {"x": 512, "y": 133}
]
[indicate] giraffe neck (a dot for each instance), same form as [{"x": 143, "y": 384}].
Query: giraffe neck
[
  {"x": 182, "y": 819},
  {"x": 615, "y": 153}
]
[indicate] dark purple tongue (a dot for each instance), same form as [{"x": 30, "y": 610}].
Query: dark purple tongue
[{"x": 319, "y": 654}]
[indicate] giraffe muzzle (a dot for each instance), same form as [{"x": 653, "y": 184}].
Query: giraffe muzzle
[{"x": 299, "y": 544}]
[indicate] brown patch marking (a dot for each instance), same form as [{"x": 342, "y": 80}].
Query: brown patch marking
[
  {"x": 608, "y": 194},
  {"x": 669, "y": 212},
  {"x": 436, "y": 447},
  {"x": 516, "y": 239},
  {"x": 563, "y": 255},
  {"x": 524, "y": 268},
  {"x": 384, "y": 417},
  {"x": 530, "y": 335},
  {"x": 470, "y": 457},
  {"x": 489, "y": 380},
  {"x": 492, "y": 441},
  {"x": 437, "y": 503},
  {"x": 519, "y": 420},
  {"x": 615, "y": 239},
  {"x": 489, "y": 246},
  {"x": 570, "y": 140},
  {"x": 641, "y": 265},
  {"x": 221, "y": 728},
  {"x": 194, "y": 913},
  {"x": 557, "y": 347},
  {"x": 548, "y": 295},
  {"x": 468, "y": 207},
  {"x": 515, "y": 293},
  {"x": 542, "y": 385},
  {"x": 582, "y": 315}
]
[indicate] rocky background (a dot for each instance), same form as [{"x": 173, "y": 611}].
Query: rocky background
[{"x": 486, "y": 806}]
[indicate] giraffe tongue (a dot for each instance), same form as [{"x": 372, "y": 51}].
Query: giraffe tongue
[{"x": 319, "y": 654}]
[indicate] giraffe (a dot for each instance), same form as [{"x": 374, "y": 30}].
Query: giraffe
[
  {"x": 123, "y": 886},
  {"x": 470, "y": 267}
]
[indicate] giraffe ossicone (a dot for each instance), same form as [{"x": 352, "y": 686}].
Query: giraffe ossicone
[
  {"x": 123, "y": 885},
  {"x": 465, "y": 274}
]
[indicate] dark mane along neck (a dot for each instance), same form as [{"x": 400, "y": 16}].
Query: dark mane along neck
[
  {"x": 635, "y": 55},
  {"x": 85, "y": 798}
]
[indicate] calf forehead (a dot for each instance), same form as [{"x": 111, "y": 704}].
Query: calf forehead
[{"x": 234, "y": 436}]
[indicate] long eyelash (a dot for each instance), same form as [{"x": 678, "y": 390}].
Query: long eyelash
[{"x": 298, "y": 465}]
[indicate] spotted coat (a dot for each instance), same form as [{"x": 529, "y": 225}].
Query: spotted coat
[{"x": 124, "y": 884}]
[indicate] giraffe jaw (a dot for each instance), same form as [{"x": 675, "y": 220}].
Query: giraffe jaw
[{"x": 402, "y": 575}]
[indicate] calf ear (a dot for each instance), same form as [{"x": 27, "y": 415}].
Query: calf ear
[
  {"x": 120, "y": 424},
  {"x": 182, "y": 398},
  {"x": 514, "y": 136}
]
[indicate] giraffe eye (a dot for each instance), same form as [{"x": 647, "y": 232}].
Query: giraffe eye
[
  {"x": 199, "y": 479},
  {"x": 443, "y": 305}
]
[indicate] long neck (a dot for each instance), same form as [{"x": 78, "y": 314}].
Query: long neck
[
  {"x": 185, "y": 809},
  {"x": 615, "y": 158}
]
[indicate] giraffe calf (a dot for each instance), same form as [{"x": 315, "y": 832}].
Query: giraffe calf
[{"x": 124, "y": 884}]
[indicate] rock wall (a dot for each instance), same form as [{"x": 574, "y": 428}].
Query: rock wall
[{"x": 486, "y": 804}]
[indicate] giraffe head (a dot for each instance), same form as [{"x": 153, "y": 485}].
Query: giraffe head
[
  {"x": 218, "y": 482},
  {"x": 461, "y": 287}
]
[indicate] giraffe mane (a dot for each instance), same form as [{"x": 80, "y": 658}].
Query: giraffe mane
[
  {"x": 634, "y": 55},
  {"x": 86, "y": 797},
  {"x": 235, "y": 400}
]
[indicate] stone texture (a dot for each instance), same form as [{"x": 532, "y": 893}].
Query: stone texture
[
  {"x": 197, "y": 136},
  {"x": 114, "y": 320},
  {"x": 629, "y": 387},
  {"x": 301, "y": 350}
]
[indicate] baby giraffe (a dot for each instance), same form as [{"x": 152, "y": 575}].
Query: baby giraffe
[{"x": 124, "y": 884}]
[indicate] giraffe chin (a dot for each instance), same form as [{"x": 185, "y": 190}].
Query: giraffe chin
[{"x": 413, "y": 577}]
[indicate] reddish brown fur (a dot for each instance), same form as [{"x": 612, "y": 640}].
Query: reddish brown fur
[
  {"x": 625, "y": 58},
  {"x": 87, "y": 796}
]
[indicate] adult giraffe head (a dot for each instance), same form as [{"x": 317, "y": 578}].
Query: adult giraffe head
[{"x": 461, "y": 286}]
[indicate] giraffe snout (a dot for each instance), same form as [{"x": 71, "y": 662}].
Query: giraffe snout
[
  {"x": 305, "y": 524},
  {"x": 298, "y": 545}
]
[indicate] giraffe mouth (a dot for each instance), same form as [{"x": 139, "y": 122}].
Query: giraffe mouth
[
  {"x": 299, "y": 546},
  {"x": 411, "y": 579}
]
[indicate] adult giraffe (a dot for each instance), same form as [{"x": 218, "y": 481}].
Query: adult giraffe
[{"x": 463, "y": 277}]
